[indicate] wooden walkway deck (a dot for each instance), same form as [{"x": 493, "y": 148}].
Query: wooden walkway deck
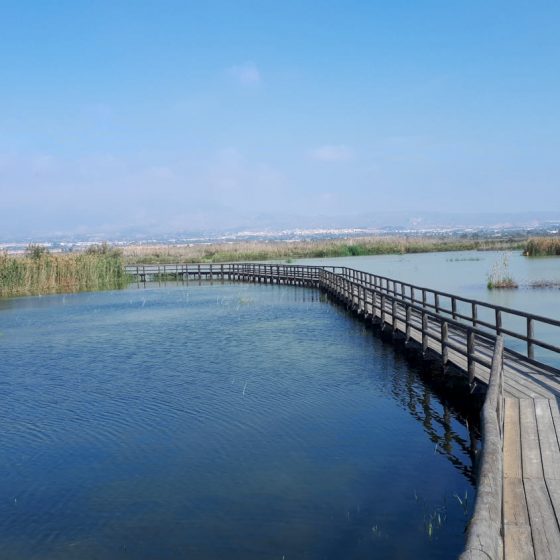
[{"x": 517, "y": 512}]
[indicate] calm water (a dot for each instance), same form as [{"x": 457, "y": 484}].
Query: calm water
[{"x": 219, "y": 422}]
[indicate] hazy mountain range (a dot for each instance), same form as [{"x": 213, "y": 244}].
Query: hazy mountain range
[{"x": 369, "y": 222}]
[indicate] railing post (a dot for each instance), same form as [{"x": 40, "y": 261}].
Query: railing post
[
  {"x": 424, "y": 333},
  {"x": 474, "y": 314},
  {"x": 530, "y": 336},
  {"x": 394, "y": 311},
  {"x": 382, "y": 312},
  {"x": 498, "y": 321},
  {"x": 470, "y": 355},
  {"x": 454, "y": 308},
  {"x": 408, "y": 313},
  {"x": 444, "y": 339}
]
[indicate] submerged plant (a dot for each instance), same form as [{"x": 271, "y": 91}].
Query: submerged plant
[{"x": 463, "y": 502}]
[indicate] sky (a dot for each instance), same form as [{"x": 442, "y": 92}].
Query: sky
[{"x": 188, "y": 115}]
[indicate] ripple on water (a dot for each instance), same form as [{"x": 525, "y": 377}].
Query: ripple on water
[{"x": 218, "y": 422}]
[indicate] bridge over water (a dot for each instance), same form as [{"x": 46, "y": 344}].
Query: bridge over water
[{"x": 511, "y": 354}]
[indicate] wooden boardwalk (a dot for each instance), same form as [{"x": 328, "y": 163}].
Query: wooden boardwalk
[{"x": 517, "y": 512}]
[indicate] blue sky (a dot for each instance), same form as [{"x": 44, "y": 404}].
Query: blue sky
[{"x": 191, "y": 114}]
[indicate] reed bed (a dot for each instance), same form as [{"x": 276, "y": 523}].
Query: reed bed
[
  {"x": 543, "y": 246},
  {"x": 45, "y": 273},
  {"x": 282, "y": 250}
]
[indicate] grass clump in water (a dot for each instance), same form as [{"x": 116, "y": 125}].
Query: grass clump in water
[
  {"x": 499, "y": 277},
  {"x": 40, "y": 272}
]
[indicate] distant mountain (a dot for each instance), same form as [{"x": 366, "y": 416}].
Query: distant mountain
[{"x": 270, "y": 223}]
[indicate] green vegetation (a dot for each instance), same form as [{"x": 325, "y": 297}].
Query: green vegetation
[
  {"x": 40, "y": 272},
  {"x": 101, "y": 267},
  {"x": 288, "y": 250},
  {"x": 499, "y": 277},
  {"x": 542, "y": 246}
]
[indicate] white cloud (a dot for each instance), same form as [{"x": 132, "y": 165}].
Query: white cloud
[
  {"x": 332, "y": 153},
  {"x": 247, "y": 74}
]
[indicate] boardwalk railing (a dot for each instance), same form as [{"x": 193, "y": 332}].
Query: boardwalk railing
[
  {"x": 485, "y": 538},
  {"x": 496, "y": 319}
]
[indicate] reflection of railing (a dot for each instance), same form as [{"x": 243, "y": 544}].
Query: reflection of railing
[
  {"x": 435, "y": 417},
  {"x": 485, "y": 530}
]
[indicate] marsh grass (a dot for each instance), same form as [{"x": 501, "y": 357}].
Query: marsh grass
[
  {"x": 39, "y": 272},
  {"x": 289, "y": 250},
  {"x": 542, "y": 246}
]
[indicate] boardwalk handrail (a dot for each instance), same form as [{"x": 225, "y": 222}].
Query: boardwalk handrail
[
  {"x": 432, "y": 298},
  {"x": 485, "y": 539}
]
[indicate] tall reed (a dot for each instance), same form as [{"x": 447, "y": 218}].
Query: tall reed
[
  {"x": 543, "y": 246},
  {"x": 42, "y": 273},
  {"x": 281, "y": 250}
]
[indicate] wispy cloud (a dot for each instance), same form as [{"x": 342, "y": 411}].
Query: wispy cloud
[
  {"x": 332, "y": 153},
  {"x": 247, "y": 74}
]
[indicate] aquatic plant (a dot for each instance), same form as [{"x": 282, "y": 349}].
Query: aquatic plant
[
  {"x": 499, "y": 277},
  {"x": 545, "y": 284}
]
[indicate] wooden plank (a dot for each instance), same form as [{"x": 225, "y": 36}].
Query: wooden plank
[
  {"x": 544, "y": 528},
  {"x": 515, "y": 504},
  {"x": 512, "y": 439},
  {"x": 550, "y": 452},
  {"x": 555, "y": 416},
  {"x": 518, "y": 544},
  {"x": 530, "y": 448}
]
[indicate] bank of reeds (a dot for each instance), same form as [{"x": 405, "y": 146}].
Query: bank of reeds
[
  {"x": 543, "y": 246},
  {"x": 282, "y": 250},
  {"x": 42, "y": 273}
]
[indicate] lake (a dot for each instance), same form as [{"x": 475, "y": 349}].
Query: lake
[{"x": 220, "y": 422}]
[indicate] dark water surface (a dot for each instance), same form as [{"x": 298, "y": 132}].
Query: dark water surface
[{"x": 219, "y": 422}]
